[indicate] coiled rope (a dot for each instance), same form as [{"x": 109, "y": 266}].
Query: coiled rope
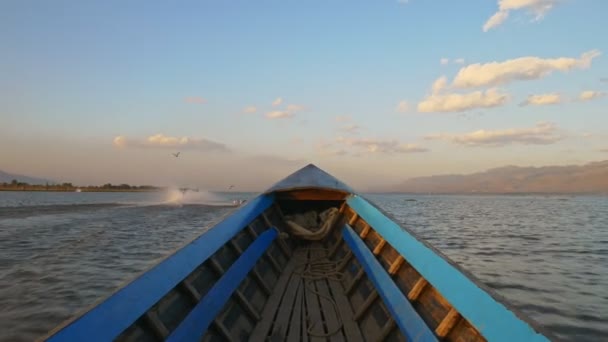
[{"x": 320, "y": 268}]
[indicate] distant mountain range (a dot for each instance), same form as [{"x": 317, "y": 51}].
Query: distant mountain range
[
  {"x": 588, "y": 178},
  {"x": 6, "y": 177}
]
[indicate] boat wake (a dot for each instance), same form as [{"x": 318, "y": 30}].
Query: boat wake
[{"x": 195, "y": 197}]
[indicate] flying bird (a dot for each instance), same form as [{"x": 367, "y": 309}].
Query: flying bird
[
  {"x": 176, "y": 154},
  {"x": 230, "y": 187}
]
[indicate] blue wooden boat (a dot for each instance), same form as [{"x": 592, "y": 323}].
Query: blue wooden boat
[{"x": 307, "y": 260}]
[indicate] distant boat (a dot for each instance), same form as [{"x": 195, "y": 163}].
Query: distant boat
[
  {"x": 238, "y": 202},
  {"x": 184, "y": 190},
  {"x": 309, "y": 259},
  {"x": 78, "y": 190}
]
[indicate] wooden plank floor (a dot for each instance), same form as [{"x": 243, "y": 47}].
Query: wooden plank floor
[{"x": 307, "y": 304}]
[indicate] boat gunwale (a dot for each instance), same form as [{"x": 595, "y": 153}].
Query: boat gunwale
[
  {"x": 500, "y": 299},
  {"x": 83, "y": 312},
  {"x": 201, "y": 316},
  {"x": 412, "y": 325}
]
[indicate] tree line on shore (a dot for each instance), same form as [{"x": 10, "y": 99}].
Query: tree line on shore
[{"x": 22, "y": 186}]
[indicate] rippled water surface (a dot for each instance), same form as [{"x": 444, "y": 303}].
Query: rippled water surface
[{"x": 61, "y": 252}]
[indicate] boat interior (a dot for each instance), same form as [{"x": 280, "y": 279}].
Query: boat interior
[{"x": 304, "y": 288}]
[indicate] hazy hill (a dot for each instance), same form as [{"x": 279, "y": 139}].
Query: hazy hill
[
  {"x": 588, "y": 178},
  {"x": 6, "y": 177}
]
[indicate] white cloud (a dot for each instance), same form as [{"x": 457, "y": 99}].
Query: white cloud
[
  {"x": 403, "y": 2},
  {"x": 279, "y": 114},
  {"x": 120, "y": 141},
  {"x": 439, "y": 84},
  {"x": 461, "y": 102},
  {"x": 523, "y": 68},
  {"x": 346, "y": 124},
  {"x": 250, "y": 109},
  {"x": 358, "y": 146},
  {"x": 266, "y": 159},
  {"x": 542, "y": 99},
  {"x": 495, "y": 20},
  {"x": 292, "y": 108},
  {"x": 277, "y": 101},
  {"x": 380, "y": 145},
  {"x": 402, "y": 107},
  {"x": 343, "y": 118},
  {"x": 541, "y": 134},
  {"x": 288, "y": 112},
  {"x": 163, "y": 141},
  {"x": 589, "y": 95},
  {"x": 538, "y": 8},
  {"x": 446, "y": 61},
  {"x": 351, "y": 128},
  {"x": 195, "y": 100},
  {"x": 329, "y": 149}
]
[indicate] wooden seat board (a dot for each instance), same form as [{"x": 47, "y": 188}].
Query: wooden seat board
[
  {"x": 286, "y": 308},
  {"x": 267, "y": 317},
  {"x": 295, "y": 327},
  {"x": 351, "y": 329},
  {"x": 294, "y": 307}
]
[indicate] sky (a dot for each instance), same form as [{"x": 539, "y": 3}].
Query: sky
[{"x": 374, "y": 92}]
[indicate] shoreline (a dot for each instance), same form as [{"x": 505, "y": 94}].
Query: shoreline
[{"x": 81, "y": 190}]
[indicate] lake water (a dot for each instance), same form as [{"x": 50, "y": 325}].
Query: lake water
[{"x": 61, "y": 252}]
